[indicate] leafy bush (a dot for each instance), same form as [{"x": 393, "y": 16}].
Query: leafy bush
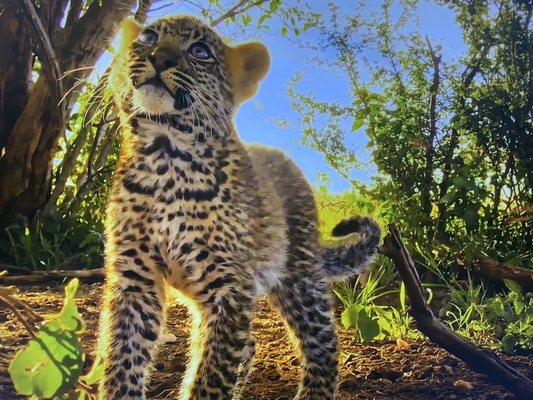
[
  {"x": 372, "y": 318},
  {"x": 511, "y": 318},
  {"x": 504, "y": 320},
  {"x": 55, "y": 243}
]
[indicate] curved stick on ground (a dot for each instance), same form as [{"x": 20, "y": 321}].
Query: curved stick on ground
[
  {"x": 96, "y": 274},
  {"x": 480, "y": 360}
]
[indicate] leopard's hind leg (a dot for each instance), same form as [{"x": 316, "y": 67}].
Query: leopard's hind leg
[
  {"x": 305, "y": 304},
  {"x": 244, "y": 370}
]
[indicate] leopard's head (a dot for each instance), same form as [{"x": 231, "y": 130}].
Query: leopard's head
[{"x": 178, "y": 65}]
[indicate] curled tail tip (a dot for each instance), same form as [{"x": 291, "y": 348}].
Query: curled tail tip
[
  {"x": 358, "y": 224},
  {"x": 353, "y": 256}
]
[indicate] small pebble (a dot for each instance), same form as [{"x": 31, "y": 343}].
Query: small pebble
[{"x": 460, "y": 384}]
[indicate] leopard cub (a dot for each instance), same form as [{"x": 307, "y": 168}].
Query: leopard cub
[{"x": 193, "y": 208}]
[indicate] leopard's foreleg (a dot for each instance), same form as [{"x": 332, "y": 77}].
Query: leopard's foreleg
[
  {"x": 221, "y": 336},
  {"x": 132, "y": 320}
]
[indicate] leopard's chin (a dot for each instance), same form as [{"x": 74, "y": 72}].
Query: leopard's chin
[{"x": 157, "y": 100}]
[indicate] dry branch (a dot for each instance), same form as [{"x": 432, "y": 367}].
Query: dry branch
[
  {"x": 480, "y": 360},
  {"x": 39, "y": 277},
  {"x": 497, "y": 270},
  {"x": 142, "y": 11},
  {"x": 24, "y": 313}
]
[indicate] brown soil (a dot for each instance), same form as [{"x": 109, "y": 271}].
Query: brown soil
[{"x": 377, "y": 370}]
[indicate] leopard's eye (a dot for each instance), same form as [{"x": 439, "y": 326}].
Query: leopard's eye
[
  {"x": 149, "y": 37},
  {"x": 200, "y": 51}
]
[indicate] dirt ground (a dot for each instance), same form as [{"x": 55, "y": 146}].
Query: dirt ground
[{"x": 377, "y": 370}]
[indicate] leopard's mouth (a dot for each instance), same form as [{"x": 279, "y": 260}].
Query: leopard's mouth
[{"x": 182, "y": 99}]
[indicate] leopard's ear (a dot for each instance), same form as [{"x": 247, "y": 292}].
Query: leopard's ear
[
  {"x": 248, "y": 64},
  {"x": 129, "y": 31}
]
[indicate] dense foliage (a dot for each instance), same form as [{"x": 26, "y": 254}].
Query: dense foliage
[{"x": 451, "y": 140}]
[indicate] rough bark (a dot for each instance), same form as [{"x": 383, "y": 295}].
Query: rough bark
[{"x": 480, "y": 360}]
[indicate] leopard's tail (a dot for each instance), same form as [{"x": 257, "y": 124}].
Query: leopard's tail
[{"x": 360, "y": 236}]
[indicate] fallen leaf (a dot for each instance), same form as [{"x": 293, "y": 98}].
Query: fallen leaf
[{"x": 402, "y": 344}]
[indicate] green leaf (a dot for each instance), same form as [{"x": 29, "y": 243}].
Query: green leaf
[
  {"x": 368, "y": 327},
  {"x": 69, "y": 317},
  {"x": 52, "y": 362},
  {"x": 262, "y": 19},
  {"x": 509, "y": 342},
  {"x": 402, "y": 296},
  {"x": 384, "y": 322},
  {"x": 274, "y": 5},
  {"x": 96, "y": 372},
  {"x": 357, "y": 316},
  {"x": 518, "y": 306},
  {"x": 350, "y": 316},
  {"x": 246, "y": 19},
  {"x": 357, "y": 123},
  {"x": 50, "y": 365},
  {"x": 430, "y": 295},
  {"x": 513, "y": 286}
]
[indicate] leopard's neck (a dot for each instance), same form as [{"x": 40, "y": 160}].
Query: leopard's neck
[{"x": 172, "y": 164}]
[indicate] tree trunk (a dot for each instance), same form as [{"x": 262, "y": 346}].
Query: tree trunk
[
  {"x": 26, "y": 165},
  {"x": 432, "y": 134},
  {"x": 24, "y": 168},
  {"x": 15, "y": 67}
]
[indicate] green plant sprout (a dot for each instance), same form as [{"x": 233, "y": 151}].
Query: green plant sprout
[{"x": 51, "y": 364}]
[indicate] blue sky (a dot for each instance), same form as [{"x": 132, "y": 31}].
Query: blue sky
[{"x": 256, "y": 119}]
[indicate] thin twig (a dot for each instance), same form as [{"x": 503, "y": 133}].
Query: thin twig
[
  {"x": 236, "y": 10},
  {"x": 19, "y": 316},
  {"x": 7, "y": 292}
]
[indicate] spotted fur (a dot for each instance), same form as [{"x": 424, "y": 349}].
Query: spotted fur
[{"x": 193, "y": 208}]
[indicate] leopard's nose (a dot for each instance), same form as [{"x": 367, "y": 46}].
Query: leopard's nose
[{"x": 162, "y": 60}]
